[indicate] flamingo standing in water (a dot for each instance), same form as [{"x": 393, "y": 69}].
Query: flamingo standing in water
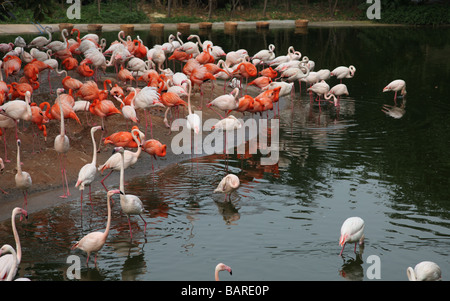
[
  {"x": 22, "y": 178},
  {"x": 227, "y": 185},
  {"x": 5, "y": 249},
  {"x": 8, "y": 260},
  {"x": 62, "y": 146},
  {"x": 94, "y": 241},
  {"x": 131, "y": 204},
  {"x": 87, "y": 173},
  {"x": 352, "y": 232},
  {"x": 424, "y": 271},
  {"x": 221, "y": 267},
  {"x": 396, "y": 86},
  {"x": 337, "y": 90},
  {"x": 342, "y": 72}
]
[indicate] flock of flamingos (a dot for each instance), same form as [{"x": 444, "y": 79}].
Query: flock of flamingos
[{"x": 201, "y": 61}]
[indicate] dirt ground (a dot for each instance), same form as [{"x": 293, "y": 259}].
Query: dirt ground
[{"x": 41, "y": 161}]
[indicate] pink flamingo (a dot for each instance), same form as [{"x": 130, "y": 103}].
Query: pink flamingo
[
  {"x": 225, "y": 102},
  {"x": 352, "y": 232},
  {"x": 396, "y": 85},
  {"x": 221, "y": 267},
  {"x": 146, "y": 99},
  {"x": 94, "y": 241},
  {"x": 343, "y": 72}
]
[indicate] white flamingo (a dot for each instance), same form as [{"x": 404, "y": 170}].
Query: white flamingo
[
  {"x": 130, "y": 203},
  {"x": 227, "y": 185},
  {"x": 62, "y": 146},
  {"x": 18, "y": 109},
  {"x": 398, "y": 85},
  {"x": 22, "y": 178},
  {"x": 225, "y": 102},
  {"x": 352, "y": 231},
  {"x": 424, "y": 271},
  {"x": 7, "y": 261},
  {"x": 87, "y": 173},
  {"x": 342, "y": 72},
  {"x": 94, "y": 241},
  {"x": 5, "y": 249},
  {"x": 41, "y": 41}
]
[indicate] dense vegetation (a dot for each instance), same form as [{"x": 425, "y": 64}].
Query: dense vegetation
[{"x": 418, "y": 12}]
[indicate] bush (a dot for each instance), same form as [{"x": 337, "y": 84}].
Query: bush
[{"x": 436, "y": 14}]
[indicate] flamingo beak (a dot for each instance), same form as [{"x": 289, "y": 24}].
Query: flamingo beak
[{"x": 342, "y": 240}]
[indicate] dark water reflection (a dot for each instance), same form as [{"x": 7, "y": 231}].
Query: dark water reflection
[{"x": 283, "y": 223}]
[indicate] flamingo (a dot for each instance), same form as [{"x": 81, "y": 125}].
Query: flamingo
[
  {"x": 130, "y": 158},
  {"x": 124, "y": 139},
  {"x": 424, "y": 271},
  {"x": 154, "y": 148},
  {"x": 265, "y": 55},
  {"x": 337, "y": 90},
  {"x": 147, "y": 98},
  {"x": 131, "y": 204},
  {"x": 6, "y": 261},
  {"x": 171, "y": 100},
  {"x": 193, "y": 120},
  {"x": 58, "y": 45},
  {"x": 225, "y": 102},
  {"x": 12, "y": 65},
  {"x": 22, "y": 178},
  {"x": 342, "y": 72},
  {"x": 94, "y": 241},
  {"x": 261, "y": 81},
  {"x": 321, "y": 88},
  {"x": 87, "y": 173},
  {"x": 39, "y": 119},
  {"x": 227, "y": 185},
  {"x": 128, "y": 111},
  {"x": 62, "y": 146},
  {"x": 221, "y": 267},
  {"x": 396, "y": 86},
  {"x": 352, "y": 232},
  {"x": 18, "y": 109}
]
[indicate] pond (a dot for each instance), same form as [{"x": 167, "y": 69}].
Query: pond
[{"x": 284, "y": 221}]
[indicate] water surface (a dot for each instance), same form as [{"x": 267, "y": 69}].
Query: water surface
[{"x": 284, "y": 221}]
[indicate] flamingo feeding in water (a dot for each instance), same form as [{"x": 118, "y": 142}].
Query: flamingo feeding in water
[
  {"x": 396, "y": 86},
  {"x": 227, "y": 185},
  {"x": 424, "y": 271},
  {"x": 94, "y": 241},
  {"x": 352, "y": 232}
]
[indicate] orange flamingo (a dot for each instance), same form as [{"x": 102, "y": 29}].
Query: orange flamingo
[
  {"x": 85, "y": 71},
  {"x": 171, "y": 100},
  {"x": 70, "y": 63},
  {"x": 103, "y": 109},
  {"x": 261, "y": 81},
  {"x": 269, "y": 72},
  {"x": 39, "y": 119},
  {"x": 19, "y": 90},
  {"x": 245, "y": 104},
  {"x": 139, "y": 50},
  {"x": 123, "y": 139},
  {"x": 124, "y": 75},
  {"x": 154, "y": 148}
]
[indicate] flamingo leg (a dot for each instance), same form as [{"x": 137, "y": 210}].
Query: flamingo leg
[
  {"x": 145, "y": 224},
  {"x": 129, "y": 224},
  {"x": 342, "y": 249}
]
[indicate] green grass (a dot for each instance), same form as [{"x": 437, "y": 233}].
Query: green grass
[{"x": 112, "y": 12}]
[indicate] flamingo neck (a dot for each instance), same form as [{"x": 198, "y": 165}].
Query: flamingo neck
[
  {"x": 94, "y": 155},
  {"x": 108, "y": 223},
  {"x": 16, "y": 236}
]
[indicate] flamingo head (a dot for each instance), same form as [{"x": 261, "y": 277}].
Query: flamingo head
[{"x": 343, "y": 239}]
